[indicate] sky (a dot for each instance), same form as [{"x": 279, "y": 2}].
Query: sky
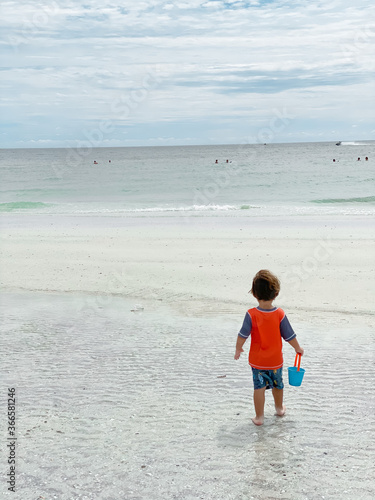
[{"x": 161, "y": 73}]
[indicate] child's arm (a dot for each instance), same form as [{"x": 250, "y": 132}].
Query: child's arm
[
  {"x": 244, "y": 333},
  {"x": 239, "y": 344},
  {"x": 294, "y": 343}
]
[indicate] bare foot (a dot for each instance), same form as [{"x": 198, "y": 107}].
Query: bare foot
[
  {"x": 258, "y": 420},
  {"x": 280, "y": 412}
]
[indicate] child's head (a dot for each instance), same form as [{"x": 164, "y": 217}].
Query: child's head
[{"x": 266, "y": 286}]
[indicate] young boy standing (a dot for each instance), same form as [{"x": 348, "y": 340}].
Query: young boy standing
[{"x": 267, "y": 325}]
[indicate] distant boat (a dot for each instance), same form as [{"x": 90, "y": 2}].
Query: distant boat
[{"x": 338, "y": 143}]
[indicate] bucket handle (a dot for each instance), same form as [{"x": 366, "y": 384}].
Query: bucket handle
[{"x": 298, "y": 358}]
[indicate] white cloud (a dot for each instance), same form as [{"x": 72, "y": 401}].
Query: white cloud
[{"x": 212, "y": 61}]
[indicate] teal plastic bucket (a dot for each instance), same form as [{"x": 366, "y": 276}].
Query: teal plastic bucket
[
  {"x": 296, "y": 373},
  {"x": 295, "y": 376}
]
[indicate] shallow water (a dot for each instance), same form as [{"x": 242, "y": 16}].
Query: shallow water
[
  {"x": 119, "y": 400},
  {"x": 272, "y": 179}
]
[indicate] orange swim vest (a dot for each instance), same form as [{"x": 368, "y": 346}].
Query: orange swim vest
[{"x": 266, "y": 341}]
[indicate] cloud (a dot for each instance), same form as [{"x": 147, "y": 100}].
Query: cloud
[{"x": 142, "y": 63}]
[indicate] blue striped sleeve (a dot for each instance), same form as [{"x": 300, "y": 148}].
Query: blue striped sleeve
[
  {"x": 286, "y": 330},
  {"x": 246, "y": 327}
]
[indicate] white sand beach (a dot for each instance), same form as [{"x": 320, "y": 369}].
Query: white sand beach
[
  {"x": 119, "y": 337},
  {"x": 197, "y": 263}
]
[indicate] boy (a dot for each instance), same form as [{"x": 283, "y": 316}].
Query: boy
[{"x": 267, "y": 325}]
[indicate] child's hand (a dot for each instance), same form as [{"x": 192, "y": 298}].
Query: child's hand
[
  {"x": 238, "y": 353},
  {"x": 300, "y": 351}
]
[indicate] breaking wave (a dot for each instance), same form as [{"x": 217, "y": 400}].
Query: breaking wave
[{"x": 364, "y": 199}]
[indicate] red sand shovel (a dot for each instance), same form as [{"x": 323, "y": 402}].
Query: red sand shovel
[{"x": 296, "y": 373}]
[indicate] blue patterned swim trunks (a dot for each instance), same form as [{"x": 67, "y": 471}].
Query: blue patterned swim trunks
[{"x": 268, "y": 378}]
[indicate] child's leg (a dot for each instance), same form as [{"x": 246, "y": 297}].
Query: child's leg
[
  {"x": 278, "y": 397},
  {"x": 259, "y": 399}
]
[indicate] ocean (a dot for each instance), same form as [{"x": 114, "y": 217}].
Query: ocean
[{"x": 250, "y": 180}]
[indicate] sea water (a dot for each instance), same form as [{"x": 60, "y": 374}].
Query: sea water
[{"x": 250, "y": 180}]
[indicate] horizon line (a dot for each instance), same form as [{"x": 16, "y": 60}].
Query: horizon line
[{"x": 191, "y": 145}]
